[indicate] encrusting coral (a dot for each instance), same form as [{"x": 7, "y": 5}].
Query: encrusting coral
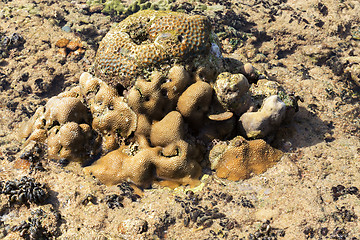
[
  {"x": 238, "y": 158},
  {"x": 158, "y": 100},
  {"x": 177, "y": 161}
]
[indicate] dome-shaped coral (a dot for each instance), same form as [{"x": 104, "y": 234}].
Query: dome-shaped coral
[
  {"x": 59, "y": 110},
  {"x": 176, "y": 82},
  {"x": 178, "y": 161},
  {"x": 146, "y": 97},
  {"x": 71, "y": 141},
  {"x": 169, "y": 129},
  {"x": 195, "y": 102},
  {"x": 112, "y": 117},
  {"x": 147, "y": 38}
]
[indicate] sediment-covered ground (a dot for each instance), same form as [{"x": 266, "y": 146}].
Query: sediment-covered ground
[{"x": 312, "y": 48}]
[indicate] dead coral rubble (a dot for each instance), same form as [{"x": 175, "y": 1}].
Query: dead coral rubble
[{"x": 159, "y": 99}]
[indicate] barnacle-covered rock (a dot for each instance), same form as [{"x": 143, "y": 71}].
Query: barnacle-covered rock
[
  {"x": 259, "y": 124},
  {"x": 265, "y": 88},
  {"x": 232, "y": 92},
  {"x": 147, "y": 39},
  {"x": 238, "y": 158}
]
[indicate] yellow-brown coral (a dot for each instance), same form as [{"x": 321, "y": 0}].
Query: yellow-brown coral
[
  {"x": 195, "y": 102},
  {"x": 146, "y": 97},
  {"x": 154, "y": 112},
  {"x": 112, "y": 117},
  {"x": 118, "y": 166},
  {"x": 169, "y": 129},
  {"x": 147, "y": 38},
  {"x": 71, "y": 141},
  {"x": 239, "y": 158},
  {"x": 174, "y": 162},
  {"x": 63, "y": 124}
]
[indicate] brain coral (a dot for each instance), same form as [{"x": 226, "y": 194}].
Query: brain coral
[
  {"x": 149, "y": 38},
  {"x": 159, "y": 100}
]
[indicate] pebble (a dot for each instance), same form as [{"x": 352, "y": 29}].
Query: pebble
[
  {"x": 61, "y": 43},
  {"x": 96, "y": 8},
  {"x": 73, "y": 45},
  {"x": 66, "y": 29}
]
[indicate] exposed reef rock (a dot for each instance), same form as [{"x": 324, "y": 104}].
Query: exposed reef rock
[
  {"x": 259, "y": 124},
  {"x": 232, "y": 92},
  {"x": 159, "y": 100}
]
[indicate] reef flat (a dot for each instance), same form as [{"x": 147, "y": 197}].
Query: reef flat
[{"x": 247, "y": 110}]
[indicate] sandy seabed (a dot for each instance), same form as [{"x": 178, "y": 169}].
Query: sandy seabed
[{"x": 310, "y": 47}]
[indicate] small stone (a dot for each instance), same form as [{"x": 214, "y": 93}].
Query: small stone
[
  {"x": 62, "y": 52},
  {"x": 324, "y": 231},
  {"x": 133, "y": 226},
  {"x": 66, "y": 29},
  {"x": 328, "y": 137},
  {"x": 73, "y": 45},
  {"x": 221, "y": 116},
  {"x": 249, "y": 69},
  {"x": 96, "y": 8},
  {"x": 61, "y": 43}
]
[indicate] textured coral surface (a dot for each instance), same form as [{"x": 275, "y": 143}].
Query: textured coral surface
[
  {"x": 148, "y": 39},
  {"x": 164, "y": 119},
  {"x": 310, "y": 48},
  {"x": 159, "y": 114}
]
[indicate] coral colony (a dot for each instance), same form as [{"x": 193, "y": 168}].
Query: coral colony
[{"x": 160, "y": 102}]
